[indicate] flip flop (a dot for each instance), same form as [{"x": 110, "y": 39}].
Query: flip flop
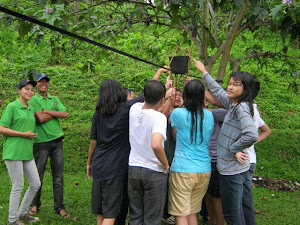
[
  {"x": 65, "y": 214},
  {"x": 32, "y": 211}
]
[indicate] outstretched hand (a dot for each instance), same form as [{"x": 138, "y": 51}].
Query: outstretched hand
[
  {"x": 170, "y": 94},
  {"x": 159, "y": 72},
  {"x": 169, "y": 83},
  {"x": 200, "y": 66},
  {"x": 163, "y": 70}
]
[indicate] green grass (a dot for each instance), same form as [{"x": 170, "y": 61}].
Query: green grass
[
  {"x": 274, "y": 207},
  {"x": 278, "y": 156},
  {"x": 282, "y": 208}
]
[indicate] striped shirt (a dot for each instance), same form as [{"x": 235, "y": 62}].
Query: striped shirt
[{"x": 238, "y": 131}]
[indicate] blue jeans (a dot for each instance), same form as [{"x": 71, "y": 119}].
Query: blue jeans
[
  {"x": 147, "y": 191},
  {"x": 16, "y": 170},
  {"x": 248, "y": 208},
  {"x": 232, "y": 190},
  {"x": 54, "y": 150}
]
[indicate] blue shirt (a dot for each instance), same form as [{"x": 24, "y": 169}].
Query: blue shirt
[{"x": 191, "y": 157}]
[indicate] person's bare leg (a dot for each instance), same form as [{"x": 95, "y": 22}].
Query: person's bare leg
[
  {"x": 110, "y": 221},
  {"x": 100, "y": 219},
  {"x": 218, "y": 211},
  {"x": 182, "y": 220},
  {"x": 192, "y": 219},
  {"x": 210, "y": 208}
]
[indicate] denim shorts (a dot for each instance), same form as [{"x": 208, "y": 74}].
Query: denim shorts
[{"x": 107, "y": 196}]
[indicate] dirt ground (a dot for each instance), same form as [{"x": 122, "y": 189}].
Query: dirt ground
[{"x": 275, "y": 184}]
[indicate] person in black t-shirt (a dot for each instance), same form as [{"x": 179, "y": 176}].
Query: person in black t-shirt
[{"x": 109, "y": 149}]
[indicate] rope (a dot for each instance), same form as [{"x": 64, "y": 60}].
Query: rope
[{"x": 43, "y": 24}]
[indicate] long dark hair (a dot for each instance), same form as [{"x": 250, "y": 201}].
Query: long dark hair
[
  {"x": 110, "y": 96},
  {"x": 193, "y": 97},
  {"x": 249, "y": 87}
]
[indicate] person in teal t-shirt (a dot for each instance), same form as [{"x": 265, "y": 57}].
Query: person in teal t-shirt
[
  {"x": 49, "y": 142},
  {"x": 190, "y": 169},
  {"x": 17, "y": 124}
]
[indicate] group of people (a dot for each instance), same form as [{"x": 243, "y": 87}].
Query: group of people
[
  {"x": 158, "y": 154},
  {"x": 164, "y": 145},
  {"x": 32, "y": 134}
]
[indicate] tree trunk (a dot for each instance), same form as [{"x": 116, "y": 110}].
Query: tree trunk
[
  {"x": 229, "y": 41},
  {"x": 205, "y": 31}
]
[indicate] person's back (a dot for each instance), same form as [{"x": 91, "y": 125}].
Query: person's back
[
  {"x": 148, "y": 165},
  {"x": 190, "y": 170},
  {"x": 142, "y": 121},
  {"x": 112, "y": 134},
  {"x": 190, "y": 155}
]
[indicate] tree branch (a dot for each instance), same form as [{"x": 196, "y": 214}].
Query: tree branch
[
  {"x": 205, "y": 32},
  {"x": 213, "y": 16},
  {"x": 229, "y": 40}
]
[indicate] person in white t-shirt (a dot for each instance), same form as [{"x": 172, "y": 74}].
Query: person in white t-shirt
[
  {"x": 148, "y": 165},
  {"x": 265, "y": 131}
]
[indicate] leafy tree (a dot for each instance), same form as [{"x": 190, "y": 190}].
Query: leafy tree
[{"x": 210, "y": 25}]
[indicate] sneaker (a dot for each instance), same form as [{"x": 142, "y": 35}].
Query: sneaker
[
  {"x": 17, "y": 222},
  {"x": 169, "y": 220},
  {"x": 28, "y": 218}
]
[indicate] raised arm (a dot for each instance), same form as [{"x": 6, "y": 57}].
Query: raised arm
[
  {"x": 159, "y": 72},
  {"x": 213, "y": 86},
  {"x": 166, "y": 108},
  {"x": 212, "y": 99}
]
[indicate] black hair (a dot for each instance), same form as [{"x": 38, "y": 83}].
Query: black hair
[
  {"x": 127, "y": 91},
  {"x": 193, "y": 97},
  {"x": 248, "y": 87},
  {"x": 177, "y": 89},
  {"x": 110, "y": 96},
  {"x": 256, "y": 88},
  {"x": 154, "y": 91}
]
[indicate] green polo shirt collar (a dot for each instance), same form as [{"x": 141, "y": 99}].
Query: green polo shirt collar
[{"x": 41, "y": 97}]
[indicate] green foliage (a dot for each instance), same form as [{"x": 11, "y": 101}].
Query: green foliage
[{"x": 286, "y": 18}]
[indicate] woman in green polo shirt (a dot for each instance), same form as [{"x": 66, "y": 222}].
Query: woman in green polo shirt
[{"x": 17, "y": 124}]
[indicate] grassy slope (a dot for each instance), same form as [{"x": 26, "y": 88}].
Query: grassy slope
[{"x": 278, "y": 156}]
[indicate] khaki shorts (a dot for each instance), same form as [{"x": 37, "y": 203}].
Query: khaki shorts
[{"x": 186, "y": 192}]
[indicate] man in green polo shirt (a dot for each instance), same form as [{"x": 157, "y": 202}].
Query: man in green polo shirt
[{"x": 49, "y": 142}]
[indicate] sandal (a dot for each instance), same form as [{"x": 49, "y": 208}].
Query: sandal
[
  {"x": 63, "y": 213},
  {"x": 33, "y": 211}
]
